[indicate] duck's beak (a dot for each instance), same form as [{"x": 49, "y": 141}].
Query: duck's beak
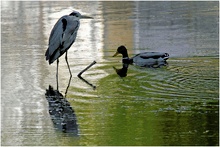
[
  {"x": 115, "y": 54},
  {"x": 85, "y": 17}
]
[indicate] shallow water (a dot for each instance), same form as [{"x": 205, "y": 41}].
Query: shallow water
[{"x": 172, "y": 105}]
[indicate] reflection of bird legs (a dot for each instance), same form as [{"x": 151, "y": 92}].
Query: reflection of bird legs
[
  {"x": 57, "y": 74},
  {"x": 69, "y": 72},
  {"x": 79, "y": 75},
  {"x": 68, "y": 85}
]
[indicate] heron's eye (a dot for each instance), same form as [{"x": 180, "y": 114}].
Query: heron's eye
[{"x": 74, "y": 14}]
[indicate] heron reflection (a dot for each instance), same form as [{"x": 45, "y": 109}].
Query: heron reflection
[{"x": 61, "y": 112}]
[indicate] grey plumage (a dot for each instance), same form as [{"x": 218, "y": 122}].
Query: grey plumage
[
  {"x": 146, "y": 59},
  {"x": 62, "y": 36}
]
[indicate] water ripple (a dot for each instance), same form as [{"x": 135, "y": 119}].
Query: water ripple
[{"x": 187, "y": 79}]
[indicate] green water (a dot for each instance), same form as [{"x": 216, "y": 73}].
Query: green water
[
  {"x": 173, "y": 105},
  {"x": 170, "y": 106}
]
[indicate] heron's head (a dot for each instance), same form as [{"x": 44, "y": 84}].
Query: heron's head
[
  {"x": 78, "y": 15},
  {"x": 121, "y": 50}
]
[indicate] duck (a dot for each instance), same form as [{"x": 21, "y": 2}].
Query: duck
[{"x": 145, "y": 59}]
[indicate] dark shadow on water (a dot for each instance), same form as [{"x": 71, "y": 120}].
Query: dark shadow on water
[
  {"x": 122, "y": 72},
  {"x": 61, "y": 112}
]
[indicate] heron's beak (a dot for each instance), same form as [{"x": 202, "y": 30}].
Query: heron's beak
[
  {"x": 115, "y": 54},
  {"x": 86, "y": 17}
]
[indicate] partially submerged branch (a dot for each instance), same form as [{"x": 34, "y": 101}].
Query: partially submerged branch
[{"x": 79, "y": 75}]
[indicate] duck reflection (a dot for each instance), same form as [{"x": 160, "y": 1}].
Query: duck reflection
[
  {"x": 61, "y": 112},
  {"x": 122, "y": 72}
]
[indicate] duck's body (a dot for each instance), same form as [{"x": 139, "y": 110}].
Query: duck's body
[{"x": 146, "y": 59}]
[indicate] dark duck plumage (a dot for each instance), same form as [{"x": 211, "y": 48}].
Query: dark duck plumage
[
  {"x": 145, "y": 59},
  {"x": 122, "y": 72}
]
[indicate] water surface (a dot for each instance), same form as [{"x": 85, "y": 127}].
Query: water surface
[{"x": 173, "y": 105}]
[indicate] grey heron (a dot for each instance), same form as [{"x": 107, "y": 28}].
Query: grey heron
[{"x": 62, "y": 36}]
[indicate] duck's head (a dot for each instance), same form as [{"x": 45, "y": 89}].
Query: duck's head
[{"x": 121, "y": 50}]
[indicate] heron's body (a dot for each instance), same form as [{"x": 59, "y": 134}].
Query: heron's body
[
  {"x": 145, "y": 59},
  {"x": 62, "y": 36}
]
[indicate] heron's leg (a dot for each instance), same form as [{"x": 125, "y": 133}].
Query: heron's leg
[
  {"x": 68, "y": 65},
  {"x": 57, "y": 74}
]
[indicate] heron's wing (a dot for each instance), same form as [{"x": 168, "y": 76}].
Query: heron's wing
[
  {"x": 61, "y": 38},
  {"x": 69, "y": 34},
  {"x": 55, "y": 37}
]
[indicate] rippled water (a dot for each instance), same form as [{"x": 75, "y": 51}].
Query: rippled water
[{"x": 173, "y": 105}]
